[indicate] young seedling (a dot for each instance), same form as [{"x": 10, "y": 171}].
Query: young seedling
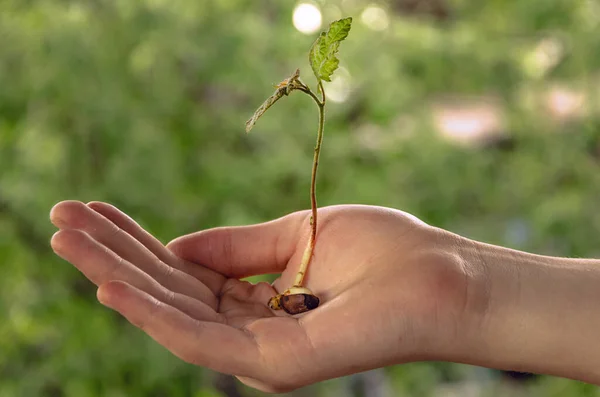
[{"x": 323, "y": 61}]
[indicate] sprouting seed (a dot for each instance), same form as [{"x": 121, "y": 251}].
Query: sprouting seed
[{"x": 323, "y": 61}]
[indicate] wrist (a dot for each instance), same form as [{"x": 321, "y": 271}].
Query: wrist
[{"x": 531, "y": 313}]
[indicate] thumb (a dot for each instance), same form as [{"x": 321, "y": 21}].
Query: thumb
[{"x": 243, "y": 251}]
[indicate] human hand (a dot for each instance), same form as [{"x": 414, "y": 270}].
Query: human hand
[{"x": 391, "y": 287}]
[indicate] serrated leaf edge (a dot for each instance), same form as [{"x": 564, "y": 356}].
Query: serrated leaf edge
[{"x": 326, "y": 46}]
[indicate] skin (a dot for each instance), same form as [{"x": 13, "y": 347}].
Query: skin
[{"x": 393, "y": 290}]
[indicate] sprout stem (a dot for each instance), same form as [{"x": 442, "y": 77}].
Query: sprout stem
[
  {"x": 310, "y": 246},
  {"x": 323, "y": 61}
]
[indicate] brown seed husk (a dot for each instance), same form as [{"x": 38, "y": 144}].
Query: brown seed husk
[
  {"x": 275, "y": 302},
  {"x": 299, "y": 303}
]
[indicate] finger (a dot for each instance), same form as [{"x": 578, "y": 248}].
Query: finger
[
  {"x": 243, "y": 251},
  {"x": 127, "y": 224},
  {"x": 100, "y": 265},
  {"x": 76, "y": 215},
  {"x": 211, "y": 279},
  {"x": 241, "y": 301},
  {"x": 261, "y": 386},
  {"x": 213, "y": 345}
]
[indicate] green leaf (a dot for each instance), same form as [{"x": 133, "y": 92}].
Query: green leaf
[{"x": 322, "y": 55}]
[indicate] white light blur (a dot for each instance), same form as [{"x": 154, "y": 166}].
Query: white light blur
[
  {"x": 565, "y": 103},
  {"x": 375, "y": 18},
  {"x": 339, "y": 89},
  {"x": 468, "y": 122},
  {"x": 307, "y": 18}
]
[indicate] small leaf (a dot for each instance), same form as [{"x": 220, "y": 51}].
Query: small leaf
[
  {"x": 322, "y": 55},
  {"x": 264, "y": 107},
  {"x": 283, "y": 88}
]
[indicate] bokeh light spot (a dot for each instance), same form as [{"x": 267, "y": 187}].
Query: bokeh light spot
[
  {"x": 339, "y": 89},
  {"x": 564, "y": 103},
  {"x": 375, "y": 18},
  {"x": 469, "y": 121},
  {"x": 307, "y": 18}
]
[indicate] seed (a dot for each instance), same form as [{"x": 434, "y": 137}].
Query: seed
[{"x": 299, "y": 303}]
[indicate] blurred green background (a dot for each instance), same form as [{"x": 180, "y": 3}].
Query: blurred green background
[{"x": 481, "y": 117}]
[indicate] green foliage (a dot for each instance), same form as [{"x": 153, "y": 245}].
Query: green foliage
[
  {"x": 142, "y": 103},
  {"x": 322, "y": 58},
  {"x": 322, "y": 55}
]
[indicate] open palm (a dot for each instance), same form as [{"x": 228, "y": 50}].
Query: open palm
[{"x": 382, "y": 290}]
